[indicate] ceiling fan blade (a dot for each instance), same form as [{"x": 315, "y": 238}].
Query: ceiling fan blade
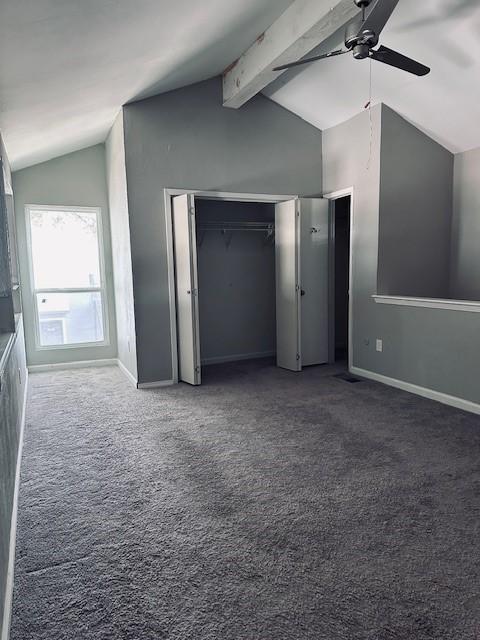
[
  {"x": 377, "y": 15},
  {"x": 394, "y": 59},
  {"x": 338, "y": 52}
]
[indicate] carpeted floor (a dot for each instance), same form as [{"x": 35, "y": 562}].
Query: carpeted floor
[{"x": 264, "y": 505}]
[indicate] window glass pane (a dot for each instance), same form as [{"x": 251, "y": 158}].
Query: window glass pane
[
  {"x": 70, "y": 318},
  {"x": 64, "y": 249}
]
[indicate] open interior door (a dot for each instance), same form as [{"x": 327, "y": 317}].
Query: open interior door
[
  {"x": 314, "y": 280},
  {"x": 287, "y": 267},
  {"x": 188, "y": 326}
]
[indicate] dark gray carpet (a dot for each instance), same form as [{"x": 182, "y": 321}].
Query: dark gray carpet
[{"x": 264, "y": 505}]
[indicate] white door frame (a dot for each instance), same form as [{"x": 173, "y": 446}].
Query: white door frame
[
  {"x": 168, "y": 194},
  {"x": 336, "y": 195}
]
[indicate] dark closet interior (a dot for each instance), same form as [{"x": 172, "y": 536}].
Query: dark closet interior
[
  {"x": 236, "y": 278},
  {"x": 342, "y": 275}
]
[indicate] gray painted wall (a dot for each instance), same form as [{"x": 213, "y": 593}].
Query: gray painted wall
[
  {"x": 465, "y": 255},
  {"x": 13, "y": 373},
  {"x": 416, "y": 191},
  {"x": 187, "y": 139},
  {"x": 347, "y": 162},
  {"x": 432, "y": 348},
  {"x": 236, "y": 283},
  {"x": 121, "y": 253},
  {"x": 77, "y": 179}
]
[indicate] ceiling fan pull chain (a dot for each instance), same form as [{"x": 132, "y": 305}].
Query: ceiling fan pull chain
[{"x": 369, "y": 103}]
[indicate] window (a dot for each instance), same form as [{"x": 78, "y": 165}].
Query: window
[{"x": 66, "y": 258}]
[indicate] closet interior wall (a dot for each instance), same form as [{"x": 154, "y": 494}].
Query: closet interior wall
[{"x": 236, "y": 276}]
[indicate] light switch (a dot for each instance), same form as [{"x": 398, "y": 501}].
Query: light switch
[{"x": 380, "y": 345}]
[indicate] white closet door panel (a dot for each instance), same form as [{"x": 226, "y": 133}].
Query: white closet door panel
[
  {"x": 186, "y": 280},
  {"x": 314, "y": 243},
  {"x": 287, "y": 266}
]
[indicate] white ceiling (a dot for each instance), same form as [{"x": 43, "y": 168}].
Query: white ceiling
[
  {"x": 67, "y": 66},
  {"x": 443, "y": 34}
]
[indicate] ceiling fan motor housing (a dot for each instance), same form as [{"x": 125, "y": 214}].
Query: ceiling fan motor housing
[
  {"x": 361, "y": 51},
  {"x": 360, "y": 41}
]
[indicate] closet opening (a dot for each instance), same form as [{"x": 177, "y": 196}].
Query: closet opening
[
  {"x": 249, "y": 280},
  {"x": 236, "y": 280}
]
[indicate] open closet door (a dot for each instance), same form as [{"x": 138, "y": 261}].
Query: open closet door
[
  {"x": 314, "y": 281},
  {"x": 188, "y": 326},
  {"x": 287, "y": 267}
]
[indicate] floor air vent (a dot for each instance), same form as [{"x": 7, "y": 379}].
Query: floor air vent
[{"x": 347, "y": 377}]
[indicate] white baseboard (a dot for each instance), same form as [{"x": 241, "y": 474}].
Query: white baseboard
[
  {"x": 452, "y": 401},
  {"x": 143, "y": 385},
  {"x": 65, "y": 366},
  {"x": 238, "y": 357},
  {"x": 7, "y": 605},
  {"x": 127, "y": 373},
  {"x": 155, "y": 385}
]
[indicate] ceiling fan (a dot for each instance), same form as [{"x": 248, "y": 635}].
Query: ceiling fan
[{"x": 362, "y": 36}]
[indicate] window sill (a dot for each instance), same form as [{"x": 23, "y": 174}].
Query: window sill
[
  {"x": 74, "y": 345},
  {"x": 429, "y": 303}
]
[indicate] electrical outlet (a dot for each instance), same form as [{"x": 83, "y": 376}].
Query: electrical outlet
[{"x": 379, "y": 345}]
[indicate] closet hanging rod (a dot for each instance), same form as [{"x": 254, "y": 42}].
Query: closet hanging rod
[{"x": 237, "y": 226}]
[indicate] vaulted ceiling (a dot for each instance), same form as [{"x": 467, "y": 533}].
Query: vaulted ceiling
[
  {"x": 67, "y": 66},
  {"x": 443, "y": 34}
]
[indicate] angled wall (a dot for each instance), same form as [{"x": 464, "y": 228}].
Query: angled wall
[
  {"x": 121, "y": 252},
  {"x": 186, "y": 139}
]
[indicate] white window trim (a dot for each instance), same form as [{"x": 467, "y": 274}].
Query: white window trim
[
  {"x": 102, "y": 289},
  {"x": 429, "y": 303}
]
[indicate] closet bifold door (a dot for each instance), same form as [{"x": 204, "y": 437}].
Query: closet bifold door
[
  {"x": 314, "y": 280},
  {"x": 186, "y": 282},
  {"x": 287, "y": 273}
]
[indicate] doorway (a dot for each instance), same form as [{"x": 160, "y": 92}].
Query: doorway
[{"x": 340, "y": 274}]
